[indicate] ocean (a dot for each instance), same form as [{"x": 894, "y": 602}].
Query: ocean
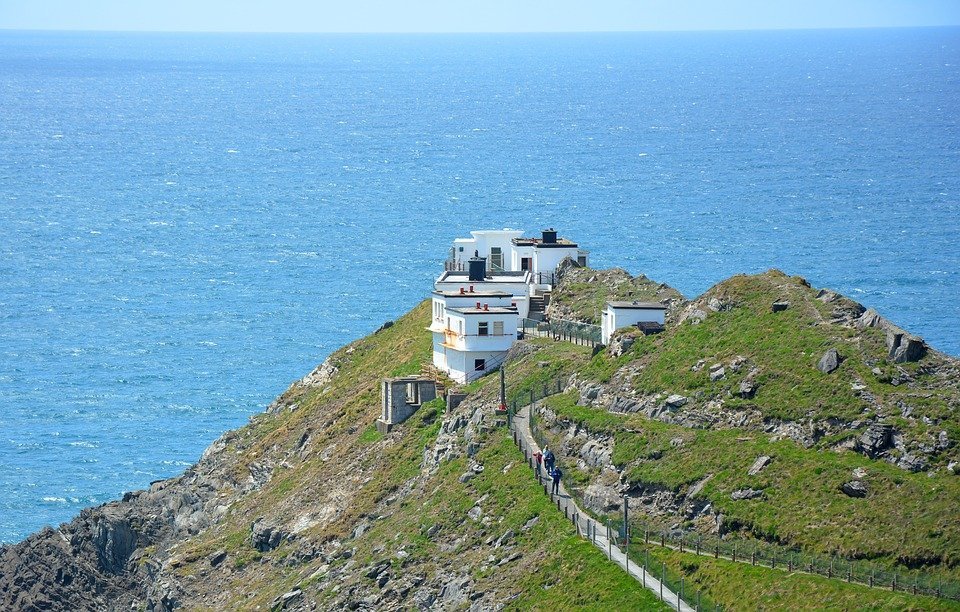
[{"x": 191, "y": 222}]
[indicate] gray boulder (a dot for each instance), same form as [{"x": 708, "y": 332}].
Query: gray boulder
[
  {"x": 830, "y": 361},
  {"x": 761, "y": 462},
  {"x": 264, "y": 536},
  {"x": 904, "y": 347},
  {"x": 875, "y": 440},
  {"x": 748, "y": 389},
  {"x": 741, "y": 494},
  {"x": 676, "y": 401},
  {"x": 854, "y": 488},
  {"x": 779, "y": 306}
]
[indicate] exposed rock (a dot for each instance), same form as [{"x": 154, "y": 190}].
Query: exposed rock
[
  {"x": 779, "y": 306},
  {"x": 288, "y": 599},
  {"x": 386, "y": 325},
  {"x": 676, "y": 442},
  {"x": 320, "y": 375},
  {"x": 911, "y": 462},
  {"x": 761, "y": 462},
  {"x": 530, "y": 524},
  {"x": 741, "y": 494},
  {"x": 676, "y": 401},
  {"x": 595, "y": 453},
  {"x": 830, "y": 361},
  {"x": 826, "y": 296},
  {"x": 904, "y": 347},
  {"x": 217, "y": 558},
  {"x": 870, "y": 318},
  {"x": 748, "y": 389},
  {"x": 601, "y": 498},
  {"x": 717, "y": 372},
  {"x": 854, "y": 488},
  {"x": 264, "y": 536},
  {"x": 859, "y": 473},
  {"x": 875, "y": 440},
  {"x": 620, "y": 344},
  {"x": 698, "y": 366},
  {"x": 588, "y": 393}
]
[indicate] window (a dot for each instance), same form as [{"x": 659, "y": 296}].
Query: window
[
  {"x": 526, "y": 263},
  {"x": 479, "y": 364},
  {"x": 498, "y": 328},
  {"x": 483, "y": 328},
  {"x": 496, "y": 258}
]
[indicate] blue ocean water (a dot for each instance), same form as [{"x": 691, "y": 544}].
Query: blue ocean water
[{"x": 191, "y": 222}]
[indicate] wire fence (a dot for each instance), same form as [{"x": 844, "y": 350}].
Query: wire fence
[
  {"x": 641, "y": 535},
  {"x": 615, "y": 534},
  {"x": 584, "y": 334}
]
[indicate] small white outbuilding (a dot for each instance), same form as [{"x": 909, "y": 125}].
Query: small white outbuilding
[{"x": 617, "y": 315}]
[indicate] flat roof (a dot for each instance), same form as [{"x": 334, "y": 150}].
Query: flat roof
[
  {"x": 491, "y": 310},
  {"x": 501, "y": 276},
  {"x": 467, "y": 294},
  {"x": 638, "y": 305},
  {"x": 561, "y": 243}
]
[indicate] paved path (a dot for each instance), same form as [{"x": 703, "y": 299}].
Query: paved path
[{"x": 590, "y": 528}]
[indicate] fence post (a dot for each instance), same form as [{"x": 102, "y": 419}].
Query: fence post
[
  {"x": 698, "y": 544},
  {"x": 773, "y": 560},
  {"x": 663, "y": 573},
  {"x": 680, "y": 594},
  {"x": 734, "y": 552},
  {"x": 893, "y": 586},
  {"x": 716, "y": 551}
]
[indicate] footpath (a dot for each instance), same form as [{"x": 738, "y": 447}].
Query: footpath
[{"x": 588, "y": 527}]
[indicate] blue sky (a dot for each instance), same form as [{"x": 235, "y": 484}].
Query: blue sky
[{"x": 469, "y": 15}]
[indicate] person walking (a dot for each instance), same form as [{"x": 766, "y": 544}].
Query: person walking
[
  {"x": 538, "y": 459},
  {"x": 556, "y": 474},
  {"x": 549, "y": 459}
]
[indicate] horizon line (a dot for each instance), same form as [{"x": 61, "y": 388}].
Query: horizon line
[{"x": 481, "y": 32}]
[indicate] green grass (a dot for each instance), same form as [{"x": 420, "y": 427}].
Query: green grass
[
  {"x": 740, "y": 586},
  {"x": 907, "y": 518}
]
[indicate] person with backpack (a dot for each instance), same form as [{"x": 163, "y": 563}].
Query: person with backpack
[
  {"x": 538, "y": 459},
  {"x": 556, "y": 474}
]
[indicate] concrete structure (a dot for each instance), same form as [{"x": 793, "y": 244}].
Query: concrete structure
[
  {"x": 618, "y": 315},
  {"x": 401, "y": 397}
]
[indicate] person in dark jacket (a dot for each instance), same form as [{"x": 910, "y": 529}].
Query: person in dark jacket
[
  {"x": 556, "y": 474},
  {"x": 549, "y": 460}
]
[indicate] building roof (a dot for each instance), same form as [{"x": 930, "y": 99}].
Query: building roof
[
  {"x": 561, "y": 243},
  {"x": 478, "y": 294},
  {"x": 500, "y": 276},
  {"x": 492, "y": 310},
  {"x": 638, "y": 305}
]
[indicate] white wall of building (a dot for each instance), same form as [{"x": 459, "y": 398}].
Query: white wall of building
[{"x": 613, "y": 319}]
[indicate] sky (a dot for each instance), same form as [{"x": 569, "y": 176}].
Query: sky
[{"x": 469, "y": 15}]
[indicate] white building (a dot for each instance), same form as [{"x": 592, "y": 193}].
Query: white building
[
  {"x": 507, "y": 250},
  {"x": 489, "y": 283},
  {"x": 472, "y": 331},
  {"x": 618, "y": 315}
]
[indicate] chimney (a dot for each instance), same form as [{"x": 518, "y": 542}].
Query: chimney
[
  {"x": 549, "y": 236},
  {"x": 478, "y": 305},
  {"x": 471, "y": 288},
  {"x": 462, "y": 291},
  {"x": 486, "y": 306},
  {"x": 477, "y": 270}
]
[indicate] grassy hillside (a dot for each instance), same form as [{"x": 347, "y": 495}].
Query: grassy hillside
[{"x": 349, "y": 501}]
